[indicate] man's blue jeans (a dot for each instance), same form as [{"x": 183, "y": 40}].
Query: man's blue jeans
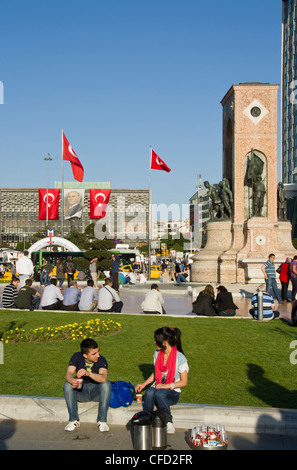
[
  {"x": 272, "y": 285},
  {"x": 163, "y": 398},
  {"x": 180, "y": 278},
  {"x": 97, "y": 392}
]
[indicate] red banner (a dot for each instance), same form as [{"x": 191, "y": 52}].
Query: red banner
[
  {"x": 98, "y": 202},
  {"x": 53, "y": 203}
]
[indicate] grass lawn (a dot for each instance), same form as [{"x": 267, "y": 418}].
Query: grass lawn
[{"x": 232, "y": 361}]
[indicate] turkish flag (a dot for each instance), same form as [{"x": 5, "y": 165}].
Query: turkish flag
[
  {"x": 53, "y": 203},
  {"x": 158, "y": 164},
  {"x": 69, "y": 154},
  {"x": 98, "y": 202}
]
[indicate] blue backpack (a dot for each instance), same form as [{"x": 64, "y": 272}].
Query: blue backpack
[{"x": 122, "y": 394}]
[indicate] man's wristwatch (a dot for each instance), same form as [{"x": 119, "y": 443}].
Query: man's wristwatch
[{"x": 172, "y": 386}]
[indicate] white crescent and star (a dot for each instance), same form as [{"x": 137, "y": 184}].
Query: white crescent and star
[
  {"x": 71, "y": 150},
  {"x": 101, "y": 202},
  {"x": 49, "y": 194}
]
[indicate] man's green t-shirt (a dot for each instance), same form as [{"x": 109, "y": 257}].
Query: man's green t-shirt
[{"x": 24, "y": 296}]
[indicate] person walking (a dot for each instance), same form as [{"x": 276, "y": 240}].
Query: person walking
[
  {"x": 269, "y": 272},
  {"x": 284, "y": 277},
  {"x": 93, "y": 271},
  {"x": 114, "y": 269},
  {"x": 24, "y": 268},
  {"x": 293, "y": 277},
  {"x": 69, "y": 269}
]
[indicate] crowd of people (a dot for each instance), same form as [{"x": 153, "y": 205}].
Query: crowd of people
[{"x": 21, "y": 294}]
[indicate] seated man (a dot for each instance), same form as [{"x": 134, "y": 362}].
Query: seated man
[
  {"x": 52, "y": 298},
  {"x": 153, "y": 301},
  {"x": 89, "y": 299},
  {"x": 10, "y": 293},
  {"x": 108, "y": 298},
  {"x": 71, "y": 297},
  {"x": 92, "y": 368},
  {"x": 269, "y": 312},
  {"x": 28, "y": 297},
  {"x": 182, "y": 276}
]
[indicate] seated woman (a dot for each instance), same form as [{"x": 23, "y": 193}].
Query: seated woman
[
  {"x": 171, "y": 373},
  {"x": 204, "y": 304},
  {"x": 224, "y": 304}
]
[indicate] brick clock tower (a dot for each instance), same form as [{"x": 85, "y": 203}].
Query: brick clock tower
[{"x": 236, "y": 248}]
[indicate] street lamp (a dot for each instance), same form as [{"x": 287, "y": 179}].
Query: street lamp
[{"x": 47, "y": 159}]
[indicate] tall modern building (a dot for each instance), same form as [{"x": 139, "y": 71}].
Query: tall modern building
[{"x": 289, "y": 109}]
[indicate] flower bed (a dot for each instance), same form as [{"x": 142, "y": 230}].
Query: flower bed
[{"x": 91, "y": 328}]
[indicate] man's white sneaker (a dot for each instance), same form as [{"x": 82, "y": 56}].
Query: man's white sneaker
[
  {"x": 72, "y": 425},
  {"x": 170, "y": 428},
  {"x": 103, "y": 427}
]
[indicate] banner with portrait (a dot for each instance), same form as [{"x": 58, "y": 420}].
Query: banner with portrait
[{"x": 73, "y": 203}]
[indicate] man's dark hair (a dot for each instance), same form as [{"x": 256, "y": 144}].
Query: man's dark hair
[
  {"x": 28, "y": 282},
  {"x": 154, "y": 286},
  {"x": 54, "y": 281},
  {"x": 90, "y": 282},
  {"x": 87, "y": 344},
  {"x": 15, "y": 278}
]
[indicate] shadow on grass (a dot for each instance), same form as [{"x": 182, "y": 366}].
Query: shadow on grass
[
  {"x": 271, "y": 393},
  {"x": 146, "y": 370}
]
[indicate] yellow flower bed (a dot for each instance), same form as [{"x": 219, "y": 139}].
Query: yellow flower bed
[{"x": 91, "y": 328}]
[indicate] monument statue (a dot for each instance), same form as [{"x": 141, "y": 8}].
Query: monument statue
[
  {"x": 281, "y": 202},
  {"x": 258, "y": 196},
  {"x": 255, "y": 184},
  {"x": 226, "y": 198},
  {"x": 213, "y": 194}
]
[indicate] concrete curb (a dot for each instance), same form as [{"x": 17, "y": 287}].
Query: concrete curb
[{"x": 185, "y": 416}]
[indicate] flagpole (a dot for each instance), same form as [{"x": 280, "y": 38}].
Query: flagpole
[
  {"x": 149, "y": 216},
  {"x": 62, "y": 196}
]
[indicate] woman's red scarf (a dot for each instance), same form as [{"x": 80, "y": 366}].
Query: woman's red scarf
[{"x": 160, "y": 367}]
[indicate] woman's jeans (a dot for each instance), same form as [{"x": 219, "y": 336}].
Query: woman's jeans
[
  {"x": 98, "y": 392},
  {"x": 162, "y": 397}
]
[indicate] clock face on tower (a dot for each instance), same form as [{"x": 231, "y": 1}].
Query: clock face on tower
[{"x": 255, "y": 111}]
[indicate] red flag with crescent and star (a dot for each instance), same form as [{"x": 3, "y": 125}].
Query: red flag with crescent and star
[
  {"x": 53, "y": 203},
  {"x": 69, "y": 154},
  {"x": 158, "y": 164},
  {"x": 98, "y": 202}
]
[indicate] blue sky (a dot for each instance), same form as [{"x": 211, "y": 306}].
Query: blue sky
[{"x": 120, "y": 76}]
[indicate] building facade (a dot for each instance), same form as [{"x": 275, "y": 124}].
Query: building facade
[
  {"x": 126, "y": 218},
  {"x": 288, "y": 133},
  {"x": 289, "y": 93}
]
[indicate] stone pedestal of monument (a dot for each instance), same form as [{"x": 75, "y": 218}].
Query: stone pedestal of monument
[{"x": 236, "y": 253}]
